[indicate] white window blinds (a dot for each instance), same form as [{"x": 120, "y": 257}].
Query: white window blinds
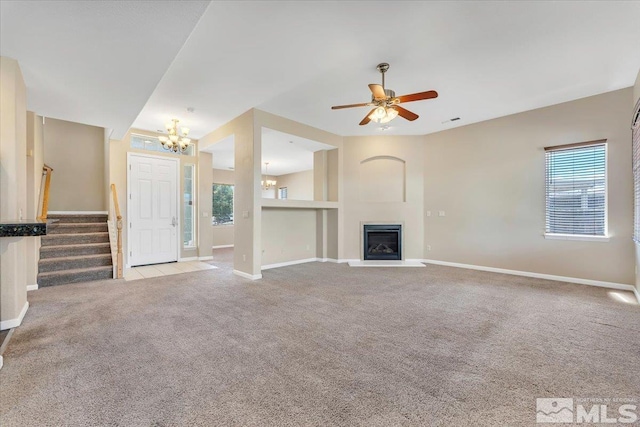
[
  {"x": 576, "y": 188},
  {"x": 635, "y": 126}
]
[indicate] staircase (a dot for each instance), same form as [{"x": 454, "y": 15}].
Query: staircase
[{"x": 75, "y": 249}]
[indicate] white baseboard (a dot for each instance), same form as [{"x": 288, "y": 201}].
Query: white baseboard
[
  {"x": 78, "y": 212},
  {"x": 385, "y": 263},
  {"x": 338, "y": 261},
  {"x": 32, "y": 287},
  {"x": 221, "y": 246},
  {"x": 247, "y": 275},
  {"x": 635, "y": 291},
  {"x": 284, "y": 264},
  {"x": 205, "y": 258},
  {"x": 191, "y": 258},
  {"x": 14, "y": 323},
  {"x": 611, "y": 285}
]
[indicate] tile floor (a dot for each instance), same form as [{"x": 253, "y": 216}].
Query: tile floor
[{"x": 156, "y": 270}]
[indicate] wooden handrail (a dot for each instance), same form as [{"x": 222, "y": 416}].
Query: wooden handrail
[
  {"x": 114, "y": 192},
  {"x": 46, "y": 170},
  {"x": 119, "y": 258}
]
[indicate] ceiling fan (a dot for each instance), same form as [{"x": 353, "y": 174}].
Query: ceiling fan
[{"x": 386, "y": 102}]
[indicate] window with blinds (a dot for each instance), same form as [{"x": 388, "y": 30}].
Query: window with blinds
[
  {"x": 635, "y": 126},
  {"x": 576, "y": 189}
]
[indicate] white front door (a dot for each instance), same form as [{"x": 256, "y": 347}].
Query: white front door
[{"x": 153, "y": 210}]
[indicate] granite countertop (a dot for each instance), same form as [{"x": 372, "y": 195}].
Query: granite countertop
[{"x": 22, "y": 227}]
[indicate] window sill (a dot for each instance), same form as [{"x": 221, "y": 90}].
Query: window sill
[
  {"x": 222, "y": 225},
  {"x": 578, "y": 237}
]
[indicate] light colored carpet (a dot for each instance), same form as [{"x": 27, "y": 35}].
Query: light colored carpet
[{"x": 315, "y": 344}]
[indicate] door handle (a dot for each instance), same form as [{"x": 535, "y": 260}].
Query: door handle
[{"x": 173, "y": 221}]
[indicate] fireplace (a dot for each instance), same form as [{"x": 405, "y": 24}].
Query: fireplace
[{"x": 382, "y": 242}]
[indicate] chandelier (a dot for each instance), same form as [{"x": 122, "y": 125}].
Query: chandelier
[
  {"x": 174, "y": 142},
  {"x": 267, "y": 184}
]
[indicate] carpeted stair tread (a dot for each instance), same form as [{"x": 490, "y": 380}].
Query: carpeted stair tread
[
  {"x": 70, "y": 262},
  {"x": 74, "y": 238},
  {"x": 58, "y": 251},
  {"x": 77, "y": 228},
  {"x": 76, "y": 275},
  {"x": 78, "y": 218}
]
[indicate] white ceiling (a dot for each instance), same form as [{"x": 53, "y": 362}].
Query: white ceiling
[
  {"x": 98, "y": 62},
  {"x": 94, "y": 62},
  {"x": 285, "y": 153}
]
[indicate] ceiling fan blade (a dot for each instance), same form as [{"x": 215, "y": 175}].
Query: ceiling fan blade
[
  {"x": 418, "y": 96},
  {"x": 367, "y": 119},
  {"x": 377, "y": 91},
  {"x": 339, "y": 107},
  {"x": 403, "y": 112}
]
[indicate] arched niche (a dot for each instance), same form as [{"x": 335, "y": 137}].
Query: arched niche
[{"x": 383, "y": 179}]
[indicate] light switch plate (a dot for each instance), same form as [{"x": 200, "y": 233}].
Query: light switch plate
[
  {"x": 245, "y": 214},
  {"x": 440, "y": 213}
]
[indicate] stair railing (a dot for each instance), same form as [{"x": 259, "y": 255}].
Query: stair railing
[
  {"x": 118, "y": 224},
  {"x": 46, "y": 171}
]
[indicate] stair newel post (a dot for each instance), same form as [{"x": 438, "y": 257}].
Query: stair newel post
[
  {"x": 118, "y": 222},
  {"x": 119, "y": 271}
]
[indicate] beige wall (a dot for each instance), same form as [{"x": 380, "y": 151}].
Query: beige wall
[
  {"x": 117, "y": 162},
  {"x": 288, "y": 235},
  {"x": 76, "y": 154},
  {"x": 636, "y": 97},
  {"x": 299, "y": 185},
  {"x": 489, "y": 179},
  {"x": 376, "y": 205},
  {"x": 13, "y": 190},
  {"x": 247, "y": 149},
  {"x": 223, "y": 234},
  {"x": 204, "y": 205},
  {"x": 636, "y": 89}
]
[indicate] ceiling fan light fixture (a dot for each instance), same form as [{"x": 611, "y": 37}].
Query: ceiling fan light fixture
[
  {"x": 378, "y": 113},
  {"x": 386, "y": 102},
  {"x": 391, "y": 114}
]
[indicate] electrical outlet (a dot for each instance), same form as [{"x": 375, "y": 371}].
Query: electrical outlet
[
  {"x": 308, "y": 248},
  {"x": 244, "y": 257},
  {"x": 440, "y": 213},
  {"x": 428, "y": 213},
  {"x": 428, "y": 247},
  {"x": 245, "y": 214}
]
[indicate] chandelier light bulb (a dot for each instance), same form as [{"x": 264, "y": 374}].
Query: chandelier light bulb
[{"x": 185, "y": 131}]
